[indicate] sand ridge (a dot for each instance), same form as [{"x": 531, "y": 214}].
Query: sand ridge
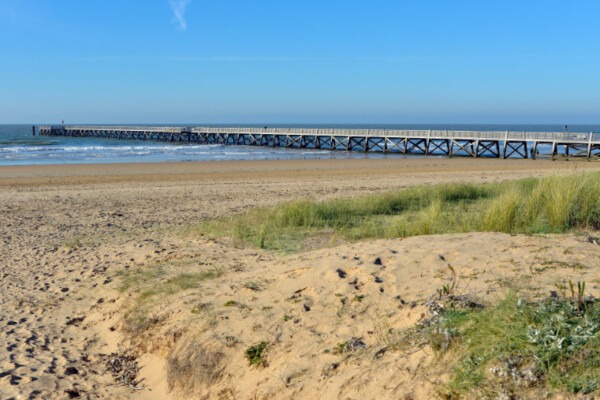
[{"x": 308, "y": 306}]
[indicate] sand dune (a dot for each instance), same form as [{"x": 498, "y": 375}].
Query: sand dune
[{"x": 70, "y": 234}]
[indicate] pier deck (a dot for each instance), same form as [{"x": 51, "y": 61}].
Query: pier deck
[{"x": 498, "y": 144}]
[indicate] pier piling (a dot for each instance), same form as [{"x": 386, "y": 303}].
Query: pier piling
[{"x": 476, "y": 144}]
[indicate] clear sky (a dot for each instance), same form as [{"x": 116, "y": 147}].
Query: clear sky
[{"x": 300, "y": 61}]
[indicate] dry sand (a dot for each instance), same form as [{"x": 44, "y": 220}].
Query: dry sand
[{"x": 68, "y": 235}]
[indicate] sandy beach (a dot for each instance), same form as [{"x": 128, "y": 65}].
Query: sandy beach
[{"x": 71, "y": 235}]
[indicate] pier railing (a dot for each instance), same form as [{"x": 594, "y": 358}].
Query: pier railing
[
  {"x": 380, "y": 133},
  {"x": 499, "y": 144}
]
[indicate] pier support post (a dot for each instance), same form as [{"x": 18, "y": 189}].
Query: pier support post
[{"x": 451, "y": 143}]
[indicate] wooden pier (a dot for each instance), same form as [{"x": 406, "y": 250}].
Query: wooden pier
[{"x": 498, "y": 144}]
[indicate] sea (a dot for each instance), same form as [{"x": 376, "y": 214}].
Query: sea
[{"x": 19, "y": 147}]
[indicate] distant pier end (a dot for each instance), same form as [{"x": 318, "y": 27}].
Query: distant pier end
[{"x": 494, "y": 144}]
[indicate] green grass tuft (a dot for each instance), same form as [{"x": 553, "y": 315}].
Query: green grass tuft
[
  {"x": 174, "y": 284},
  {"x": 257, "y": 354},
  {"x": 545, "y": 205}
]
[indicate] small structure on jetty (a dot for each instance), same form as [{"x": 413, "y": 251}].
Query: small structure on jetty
[{"x": 498, "y": 144}]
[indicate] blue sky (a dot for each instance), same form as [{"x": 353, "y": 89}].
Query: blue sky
[{"x": 283, "y": 61}]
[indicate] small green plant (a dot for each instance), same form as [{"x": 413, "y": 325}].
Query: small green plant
[
  {"x": 200, "y": 308},
  {"x": 359, "y": 297},
  {"x": 231, "y": 341},
  {"x": 448, "y": 289},
  {"x": 580, "y": 293},
  {"x": 350, "y": 346},
  {"x": 287, "y": 317},
  {"x": 254, "y": 286},
  {"x": 262, "y": 235},
  {"x": 257, "y": 354},
  {"x": 231, "y": 303}
]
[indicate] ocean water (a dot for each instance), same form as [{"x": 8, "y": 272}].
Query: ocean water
[{"x": 19, "y": 147}]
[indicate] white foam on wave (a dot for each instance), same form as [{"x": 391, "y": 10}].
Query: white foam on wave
[{"x": 117, "y": 151}]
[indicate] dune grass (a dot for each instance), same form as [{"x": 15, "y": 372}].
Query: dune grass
[
  {"x": 545, "y": 205},
  {"x": 153, "y": 283},
  {"x": 516, "y": 347}
]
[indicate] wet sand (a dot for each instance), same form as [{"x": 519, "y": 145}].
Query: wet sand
[{"x": 232, "y": 170}]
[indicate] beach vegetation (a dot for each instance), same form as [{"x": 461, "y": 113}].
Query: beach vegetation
[
  {"x": 195, "y": 366},
  {"x": 200, "y": 308},
  {"x": 536, "y": 205},
  {"x": 153, "y": 283},
  {"x": 518, "y": 346},
  {"x": 146, "y": 280},
  {"x": 254, "y": 286},
  {"x": 136, "y": 278},
  {"x": 350, "y": 346},
  {"x": 358, "y": 297},
  {"x": 257, "y": 354},
  {"x": 138, "y": 320}
]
